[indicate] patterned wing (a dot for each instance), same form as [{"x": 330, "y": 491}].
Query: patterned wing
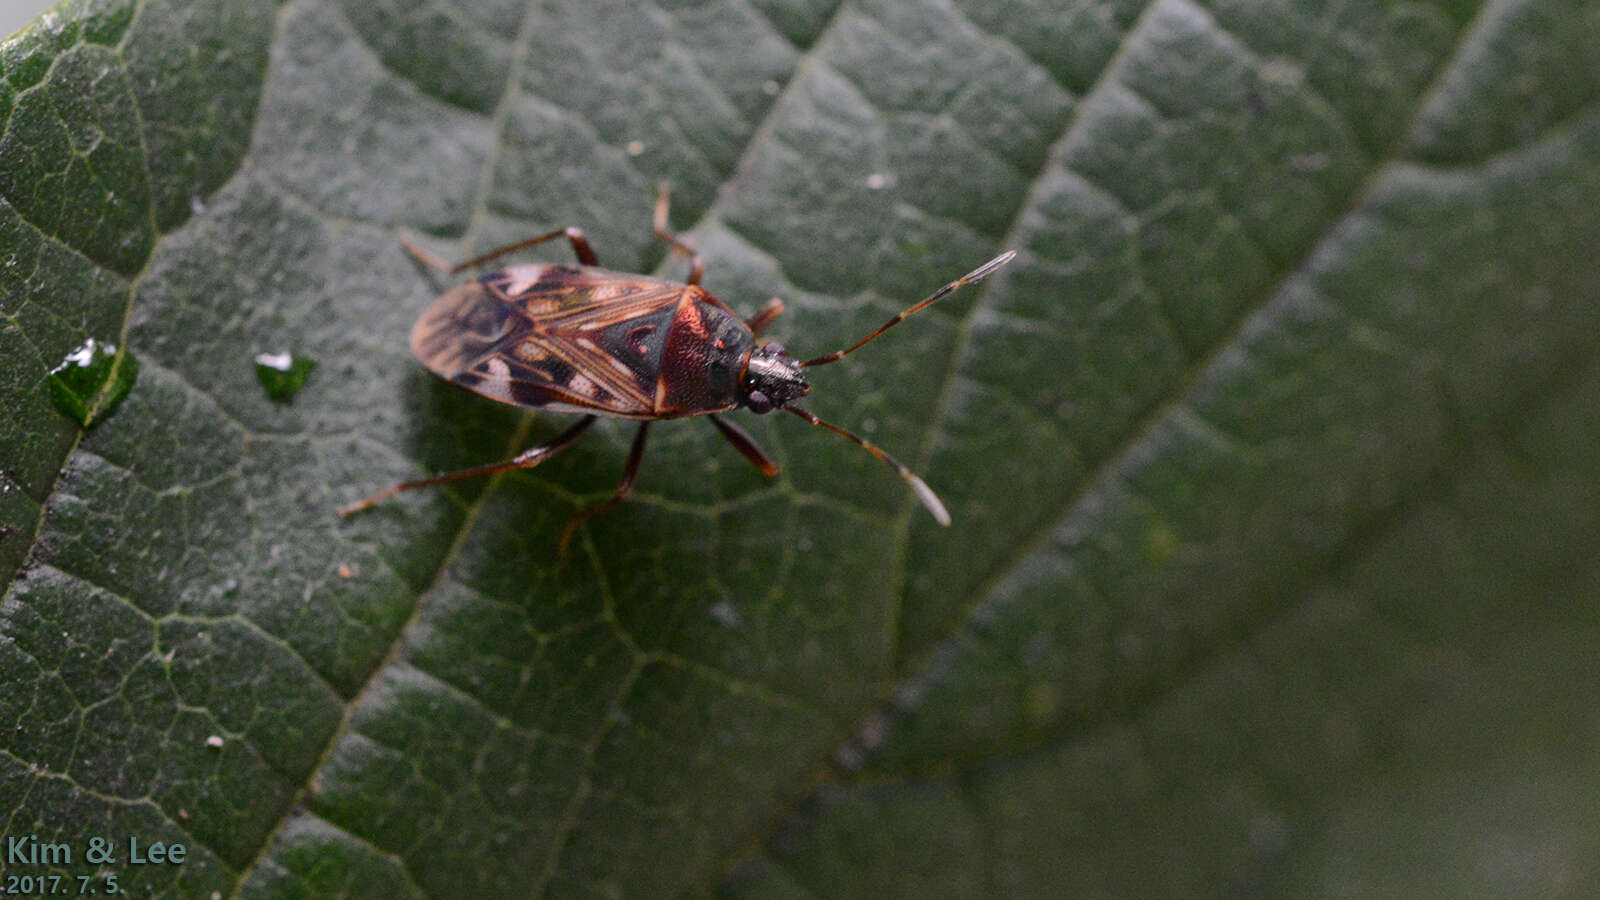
[
  {"x": 566, "y": 338},
  {"x": 563, "y": 297}
]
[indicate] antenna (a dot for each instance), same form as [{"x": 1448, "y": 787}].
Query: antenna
[
  {"x": 924, "y": 493},
  {"x": 975, "y": 275}
]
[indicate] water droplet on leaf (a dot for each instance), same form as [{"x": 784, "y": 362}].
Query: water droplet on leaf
[
  {"x": 283, "y": 374},
  {"x": 727, "y": 615},
  {"x": 90, "y": 382}
]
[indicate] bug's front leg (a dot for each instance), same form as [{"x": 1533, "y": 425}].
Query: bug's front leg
[
  {"x": 574, "y": 236},
  {"x": 746, "y": 445},
  {"x": 759, "y": 322},
  {"x": 629, "y": 472}
]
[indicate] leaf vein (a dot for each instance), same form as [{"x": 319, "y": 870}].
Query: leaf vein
[
  {"x": 1103, "y": 470},
  {"x": 1144, "y": 423}
]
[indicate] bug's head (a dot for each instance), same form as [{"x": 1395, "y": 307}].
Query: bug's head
[
  {"x": 772, "y": 378},
  {"x": 773, "y": 381}
]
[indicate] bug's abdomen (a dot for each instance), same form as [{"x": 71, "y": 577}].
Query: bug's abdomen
[{"x": 704, "y": 354}]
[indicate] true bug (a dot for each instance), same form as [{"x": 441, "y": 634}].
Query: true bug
[{"x": 582, "y": 339}]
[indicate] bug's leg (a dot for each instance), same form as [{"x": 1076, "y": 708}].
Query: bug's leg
[
  {"x": 697, "y": 266},
  {"x": 527, "y": 459},
  {"x": 580, "y": 246},
  {"x": 759, "y": 322},
  {"x": 629, "y": 472},
  {"x": 745, "y": 444},
  {"x": 424, "y": 257}
]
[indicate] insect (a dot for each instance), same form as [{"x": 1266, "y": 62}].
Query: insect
[{"x": 582, "y": 339}]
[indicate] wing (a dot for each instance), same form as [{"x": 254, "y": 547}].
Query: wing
[
  {"x": 583, "y": 298},
  {"x": 566, "y": 338}
]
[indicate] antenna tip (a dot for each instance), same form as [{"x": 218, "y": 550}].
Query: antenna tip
[
  {"x": 930, "y": 500},
  {"x": 988, "y": 268}
]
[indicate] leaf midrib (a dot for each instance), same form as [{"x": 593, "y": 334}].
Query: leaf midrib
[
  {"x": 1133, "y": 437},
  {"x": 1140, "y": 428}
]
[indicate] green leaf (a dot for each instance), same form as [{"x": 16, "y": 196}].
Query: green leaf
[{"x": 1272, "y": 457}]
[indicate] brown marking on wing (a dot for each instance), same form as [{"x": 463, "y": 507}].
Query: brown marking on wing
[
  {"x": 660, "y": 399},
  {"x": 543, "y": 334},
  {"x": 636, "y": 336},
  {"x": 578, "y": 370},
  {"x": 606, "y": 305},
  {"x": 461, "y": 328},
  {"x": 551, "y": 381},
  {"x": 529, "y": 351},
  {"x": 580, "y": 298}
]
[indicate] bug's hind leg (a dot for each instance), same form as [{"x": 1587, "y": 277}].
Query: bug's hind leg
[
  {"x": 745, "y": 444},
  {"x": 629, "y": 472},
  {"x": 574, "y": 236},
  {"x": 527, "y": 459},
  {"x": 697, "y": 266}
]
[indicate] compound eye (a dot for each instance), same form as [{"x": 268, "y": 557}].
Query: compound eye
[
  {"x": 758, "y": 403},
  {"x": 773, "y": 348}
]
